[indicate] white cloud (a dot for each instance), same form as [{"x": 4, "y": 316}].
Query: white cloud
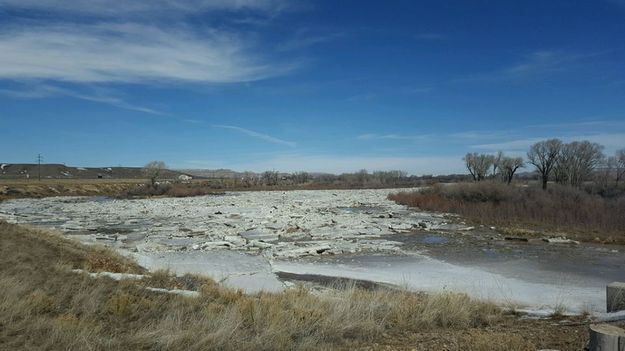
[
  {"x": 512, "y": 145},
  {"x": 581, "y": 125},
  {"x": 343, "y": 164},
  {"x": 611, "y": 141},
  {"x": 102, "y": 8},
  {"x": 537, "y": 62},
  {"x": 535, "y": 65},
  {"x": 478, "y": 134},
  {"x": 258, "y": 135},
  {"x": 305, "y": 38},
  {"x": 372, "y": 136},
  {"x": 129, "y": 53}
]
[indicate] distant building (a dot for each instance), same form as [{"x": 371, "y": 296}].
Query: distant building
[{"x": 184, "y": 178}]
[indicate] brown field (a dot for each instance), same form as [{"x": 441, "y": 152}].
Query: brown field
[
  {"x": 43, "y": 305},
  {"x": 132, "y": 188},
  {"x": 8, "y": 182},
  {"x": 21, "y": 188},
  {"x": 527, "y": 210}
]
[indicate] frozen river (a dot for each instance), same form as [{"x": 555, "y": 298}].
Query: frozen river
[{"x": 245, "y": 239}]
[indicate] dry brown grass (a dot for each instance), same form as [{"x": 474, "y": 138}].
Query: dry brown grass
[
  {"x": 560, "y": 209},
  {"x": 13, "y": 189},
  {"x": 69, "y": 182},
  {"x": 483, "y": 341},
  {"x": 165, "y": 279},
  {"x": 44, "y": 306}
]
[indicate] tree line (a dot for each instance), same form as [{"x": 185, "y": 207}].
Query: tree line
[{"x": 565, "y": 163}]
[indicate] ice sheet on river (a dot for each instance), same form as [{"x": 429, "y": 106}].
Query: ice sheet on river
[
  {"x": 280, "y": 224},
  {"x": 423, "y": 273}
]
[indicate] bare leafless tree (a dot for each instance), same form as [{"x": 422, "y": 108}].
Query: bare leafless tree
[
  {"x": 271, "y": 178},
  {"x": 153, "y": 170},
  {"x": 362, "y": 176},
  {"x": 388, "y": 177},
  {"x": 508, "y": 167},
  {"x": 497, "y": 162},
  {"x": 478, "y": 165},
  {"x": 543, "y": 155},
  {"x": 562, "y": 170},
  {"x": 607, "y": 171},
  {"x": 620, "y": 165},
  {"x": 301, "y": 177},
  {"x": 469, "y": 162},
  {"x": 578, "y": 160}
]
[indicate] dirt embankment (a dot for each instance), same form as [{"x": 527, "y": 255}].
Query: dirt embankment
[
  {"x": 51, "y": 171},
  {"x": 138, "y": 188},
  {"x": 63, "y": 188}
]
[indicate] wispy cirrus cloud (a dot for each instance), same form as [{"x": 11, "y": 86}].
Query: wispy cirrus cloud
[
  {"x": 373, "y": 136},
  {"x": 103, "y": 8},
  {"x": 257, "y": 135},
  {"x": 341, "y": 164},
  {"x": 534, "y": 65},
  {"x": 129, "y": 53},
  {"x": 581, "y": 124},
  {"x": 541, "y": 62},
  {"x": 516, "y": 140},
  {"x": 46, "y": 91},
  {"x": 307, "y": 37},
  {"x": 611, "y": 141}
]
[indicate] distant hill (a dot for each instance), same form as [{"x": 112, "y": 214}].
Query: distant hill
[
  {"x": 217, "y": 173},
  {"x": 228, "y": 173},
  {"x": 60, "y": 171}
]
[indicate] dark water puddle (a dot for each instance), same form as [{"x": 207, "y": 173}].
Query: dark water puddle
[
  {"x": 362, "y": 209},
  {"x": 47, "y": 223},
  {"x": 434, "y": 239},
  {"x": 487, "y": 249},
  {"x": 113, "y": 230},
  {"x": 333, "y": 282},
  {"x": 101, "y": 199}
]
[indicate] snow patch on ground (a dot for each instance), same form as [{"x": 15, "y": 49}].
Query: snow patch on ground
[{"x": 233, "y": 269}]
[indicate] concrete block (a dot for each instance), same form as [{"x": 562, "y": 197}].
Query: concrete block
[
  {"x": 606, "y": 337},
  {"x": 615, "y": 294}
]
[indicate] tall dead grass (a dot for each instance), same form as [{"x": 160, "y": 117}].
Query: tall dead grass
[{"x": 559, "y": 209}]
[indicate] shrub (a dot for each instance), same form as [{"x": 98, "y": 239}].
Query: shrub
[{"x": 582, "y": 214}]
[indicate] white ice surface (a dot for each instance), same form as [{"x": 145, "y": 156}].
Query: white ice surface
[
  {"x": 234, "y": 269},
  {"x": 432, "y": 275}
]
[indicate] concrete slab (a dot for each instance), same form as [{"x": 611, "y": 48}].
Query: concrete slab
[{"x": 615, "y": 297}]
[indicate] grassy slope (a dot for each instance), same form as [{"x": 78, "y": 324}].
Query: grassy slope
[
  {"x": 44, "y": 306},
  {"x": 13, "y": 189}
]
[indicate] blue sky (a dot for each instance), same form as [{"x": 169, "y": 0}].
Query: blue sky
[{"x": 307, "y": 85}]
